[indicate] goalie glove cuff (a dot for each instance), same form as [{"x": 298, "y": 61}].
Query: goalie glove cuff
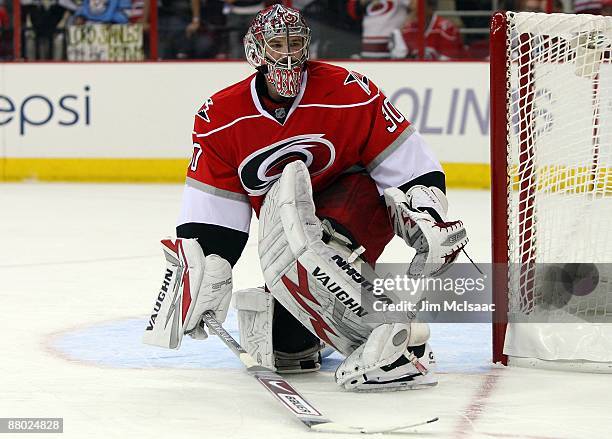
[
  {"x": 428, "y": 199},
  {"x": 419, "y": 217}
]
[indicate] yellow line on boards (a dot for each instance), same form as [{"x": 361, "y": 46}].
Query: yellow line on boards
[
  {"x": 94, "y": 170},
  {"x": 459, "y": 175},
  {"x": 467, "y": 175}
]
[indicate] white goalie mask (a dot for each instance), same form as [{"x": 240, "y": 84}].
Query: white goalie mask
[{"x": 277, "y": 45}]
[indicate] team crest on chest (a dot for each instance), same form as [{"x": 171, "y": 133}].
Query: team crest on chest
[
  {"x": 263, "y": 167},
  {"x": 360, "y": 80}
]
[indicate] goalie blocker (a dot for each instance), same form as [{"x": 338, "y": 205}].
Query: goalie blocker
[{"x": 192, "y": 284}]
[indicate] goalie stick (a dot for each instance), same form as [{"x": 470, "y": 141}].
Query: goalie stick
[{"x": 290, "y": 398}]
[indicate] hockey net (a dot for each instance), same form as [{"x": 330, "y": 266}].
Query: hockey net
[{"x": 551, "y": 151}]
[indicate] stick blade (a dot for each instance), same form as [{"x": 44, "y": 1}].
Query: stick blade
[{"x": 332, "y": 427}]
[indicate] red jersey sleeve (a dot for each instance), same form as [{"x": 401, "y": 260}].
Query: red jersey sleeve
[
  {"x": 213, "y": 193},
  {"x": 395, "y": 153},
  {"x": 208, "y": 166},
  {"x": 212, "y": 162},
  {"x": 386, "y": 125}
]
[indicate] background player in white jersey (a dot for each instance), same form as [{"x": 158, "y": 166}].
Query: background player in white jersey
[
  {"x": 320, "y": 154},
  {"x": 380, "y": 18}
]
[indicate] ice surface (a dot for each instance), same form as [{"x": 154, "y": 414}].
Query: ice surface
[{"x": 80, "y": 265}]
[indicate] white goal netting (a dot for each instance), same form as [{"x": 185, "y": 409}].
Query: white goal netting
[{"x": 559, "y": 152}]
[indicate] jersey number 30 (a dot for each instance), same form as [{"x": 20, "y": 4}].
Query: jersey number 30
[{"x": 391, "y": 115}]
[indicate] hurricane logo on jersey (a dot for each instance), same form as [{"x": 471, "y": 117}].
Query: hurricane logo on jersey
[
  {"x": 380, "y": 7},
  {"x": 262, "y": 168}
]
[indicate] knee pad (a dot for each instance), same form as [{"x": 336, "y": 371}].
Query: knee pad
[{"x": 255, "y": 308}]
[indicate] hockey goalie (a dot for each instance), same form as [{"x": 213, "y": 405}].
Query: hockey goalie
[{"x": 333, "y": 171}]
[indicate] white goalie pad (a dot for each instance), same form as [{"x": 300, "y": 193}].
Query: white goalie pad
[
  {"x": 192, "y": 285},
  {"x": 311, "y": 279}
]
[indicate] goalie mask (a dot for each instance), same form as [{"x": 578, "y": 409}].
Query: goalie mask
[{"x": 276, "y": 44}]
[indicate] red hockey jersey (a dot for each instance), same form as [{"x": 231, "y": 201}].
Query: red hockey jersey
[
  {"x": 339, "y": 121},
  {"x": 442, "y": 39}
]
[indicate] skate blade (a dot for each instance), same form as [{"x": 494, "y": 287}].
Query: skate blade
[{"x": 403, "y": 386}]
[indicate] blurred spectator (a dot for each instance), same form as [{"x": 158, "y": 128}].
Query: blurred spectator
[
  {"x": 214, "y": 28},
  {"x": 587, "y": 6},
  {"x": 379, "y": 18},
  {"x": 45, "y": 24},
  {"x": 606, "y": 8},
  {"x": 442, "y": 38},
  {"x": 187, "y": 29},
  {"x": 102, "y": 31},
  {"x": 103, "y": 11},
  {"x": 5, "y": 32},
  {"x": 335, "y": 33},
  {"x": 5, "y": 23},
  {"x": 532, "y": 5},
  {"x": 475, "y": 22},
  {"x": 239, "y": 14},
  {"x": 310, "y": 15},
  {"x": 135, "y": 13}
]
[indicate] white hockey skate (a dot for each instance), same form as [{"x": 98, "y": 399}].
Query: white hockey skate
[
  {"x": 395, "y": 357},
  {"x": 413, "y": 370}
]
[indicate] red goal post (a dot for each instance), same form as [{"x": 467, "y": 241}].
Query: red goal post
[{"x": 500, "y": 93}]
